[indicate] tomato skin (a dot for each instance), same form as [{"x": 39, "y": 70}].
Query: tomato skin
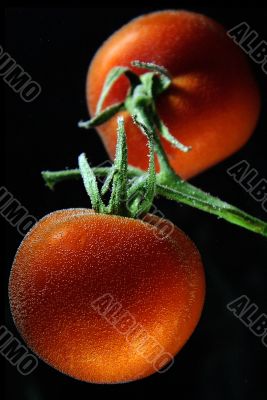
[
  {"x": 213, "y": 104},
  {"x": 72, "y": 257}
]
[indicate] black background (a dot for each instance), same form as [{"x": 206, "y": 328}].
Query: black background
[{"x": 223, "y": 359}]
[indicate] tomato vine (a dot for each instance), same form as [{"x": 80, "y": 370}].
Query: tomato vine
[{"x": 133, "y": 190}]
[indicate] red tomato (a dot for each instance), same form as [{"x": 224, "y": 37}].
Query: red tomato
[
  {"x": 213, "y": 103},
  {"x": 72, "y": 260}
]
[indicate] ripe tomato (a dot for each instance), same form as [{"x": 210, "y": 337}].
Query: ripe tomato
[
  {"x": 73, "y": 258},
  {"x": 213, "y": 103}
]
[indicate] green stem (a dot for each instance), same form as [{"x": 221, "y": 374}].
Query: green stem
[
  {"x": 180, "y": 191},
  {"x": 192, "y": 196},
  {"x": 150, "y": 181},
  {"x": 51, "y": 178},
  {"x": 142, "y": 115}
]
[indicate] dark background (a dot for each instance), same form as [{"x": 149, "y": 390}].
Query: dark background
[{"x": 223, "y": 359}]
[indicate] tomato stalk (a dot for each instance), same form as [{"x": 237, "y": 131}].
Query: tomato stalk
[
  {"x": 182, "y": 193},
  {"x": 133, "y": 190}
]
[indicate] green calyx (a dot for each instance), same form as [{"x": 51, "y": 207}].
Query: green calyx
[
  {"x": 132, "y": 190},
  {"x": 128, "y": 197},
  {"x": 139, "y": 101}
]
